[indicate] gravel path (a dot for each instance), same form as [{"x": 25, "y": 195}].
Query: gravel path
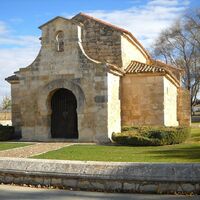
[{"x": 32, "y": 150}]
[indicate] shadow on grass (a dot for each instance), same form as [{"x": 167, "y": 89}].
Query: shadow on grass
[{"x": 186, "y": 153}]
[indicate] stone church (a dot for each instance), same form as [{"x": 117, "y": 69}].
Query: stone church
[{"x": 89, "y": 79}]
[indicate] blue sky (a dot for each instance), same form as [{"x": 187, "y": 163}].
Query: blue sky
[{"x": 19, "y": 21}]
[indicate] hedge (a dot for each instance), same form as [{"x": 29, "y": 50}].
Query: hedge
[
  {"x": 6, "y": 132},
  {"x": 151, "y": 136}
]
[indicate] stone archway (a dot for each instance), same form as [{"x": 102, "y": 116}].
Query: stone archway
[
  {"x": 45, "y": 95},
  {"x": 64, "y": 115}
]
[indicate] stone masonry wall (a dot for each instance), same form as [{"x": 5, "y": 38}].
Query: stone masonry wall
[
  {"x": 70, "y": 69},
  {"x": 16, "y": 111},
  {"x": 170, "y": 103},
  {"x": 142, "y": 100},
  {"x": 100, "y": 41},
  {"x": 184, "y": 108}
]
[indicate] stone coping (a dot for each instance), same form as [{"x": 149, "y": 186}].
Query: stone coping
[{"x": 120, "y": 171}]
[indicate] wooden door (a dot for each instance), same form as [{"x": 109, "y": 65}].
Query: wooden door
[{"x": 64, "y": 115}]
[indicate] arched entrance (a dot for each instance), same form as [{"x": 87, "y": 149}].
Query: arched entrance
[{"x": 64, "y": 115}]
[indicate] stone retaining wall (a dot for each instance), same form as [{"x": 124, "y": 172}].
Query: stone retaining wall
[{"x": 102, "y": 176}]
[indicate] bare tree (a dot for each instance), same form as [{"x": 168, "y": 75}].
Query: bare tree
[
  {"x": 6, "y": 103},
  {"x": 179, "y": 45}
]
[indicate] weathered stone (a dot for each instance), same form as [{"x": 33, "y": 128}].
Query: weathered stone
[
  {"x": 131, "y": 187},
  {"x": 47, "y": 181},
  {"x": 126, "y": 177},
  {"x": 150, "y": 104},
  {"x": 89, "y": 62},
  {"x": 100, "y": 99},
  {"x": 148, "y": 188},
  {"x": 8, "y": 178},
  {"x": 56, "y": 181},
  {"x": 188, "y": 187},
  {"x": 70, "y": 183},
  {"x": 36, "y": 181},
  {"x": 84, "y": 184},
  {"x": 113, "y": 185}
]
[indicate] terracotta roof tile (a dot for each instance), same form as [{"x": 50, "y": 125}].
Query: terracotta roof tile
[{"x": 138, "y": 67}]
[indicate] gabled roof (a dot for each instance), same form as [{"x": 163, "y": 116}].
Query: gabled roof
[
  {"x": 12, "y": 78},
  {"x": 113, "y": 27},
  {"x": 102, "y": 22},
  {"x": 55, "y": 18},
  {"x": 136, "y": 67},
  {"x": 171, "y": 67}
]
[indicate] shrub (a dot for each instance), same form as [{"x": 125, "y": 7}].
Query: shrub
[
  {"x": 151, "y": 136},
  {"x": 6, "y": 132}
]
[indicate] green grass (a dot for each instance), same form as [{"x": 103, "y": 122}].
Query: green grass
[
  {"x": 186, "y": 152},
  {"x": 11, "y": 145},
  {"x": 195, "y": 136}
]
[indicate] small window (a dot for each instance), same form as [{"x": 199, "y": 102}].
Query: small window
[{"x": 60, "y": 41}]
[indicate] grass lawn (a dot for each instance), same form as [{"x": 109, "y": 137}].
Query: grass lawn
[
  {"x": 186, "y": 152},
  {"x": 11, "y": 145}
]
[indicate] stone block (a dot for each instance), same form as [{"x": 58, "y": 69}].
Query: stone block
[
  {"x": 98, "y": 185},
  {"x": 47, "y": 181},
  {"x": 113, "y": 185},
  {"x": 18, "y": 180},
  {"x": 2, "y": 177},
  {"x": 37, "y": 181},
  {"x": 70, "y": 183},
  {"x": 8, "y": 178},
  {"x": 100, "y": 99},
  {"x": 167, "y": 187},
  {"x": 56, "y": 181},
  {"x": 187, "y": 187},
  {"x": 131, "y": 187},
  {"x": 148, "y": 188},
  {"x": 84, "y": 184}
]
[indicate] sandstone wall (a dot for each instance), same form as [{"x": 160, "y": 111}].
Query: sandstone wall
[
  {"x": 170, "y": 103},
  {"x": 70, "y": 69},
  {"x": 142, "y": 100},
  {"x": 184, "y": 108},
  {"x": 16, "y": 104},
  {"x": 100, "y": 41},
  {"x": 114, "y": 107},
  {"x": 130, "y": 52}
]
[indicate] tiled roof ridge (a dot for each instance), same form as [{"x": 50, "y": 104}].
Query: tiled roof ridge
[
  {"x": 162, "y": 64},
  {"x": 103, "y": 22},
  {"x": 136, "y": 67}
]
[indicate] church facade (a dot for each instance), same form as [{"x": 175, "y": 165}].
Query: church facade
[{"x": 89, "y": 79}]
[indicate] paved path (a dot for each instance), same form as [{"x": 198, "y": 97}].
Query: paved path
[
  {"x": 31, "y": 150},
  {"x": 22, "y": 193}
]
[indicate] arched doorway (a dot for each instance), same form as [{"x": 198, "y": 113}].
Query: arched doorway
[{"x": 64, "y": 115}]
